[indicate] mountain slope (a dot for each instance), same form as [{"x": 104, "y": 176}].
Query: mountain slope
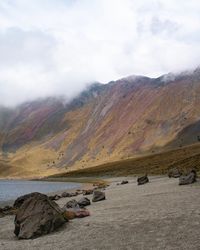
[{"x": 127, "y": 118}]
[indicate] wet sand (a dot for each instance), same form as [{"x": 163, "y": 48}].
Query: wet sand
[{"x": 158, "y": 215}]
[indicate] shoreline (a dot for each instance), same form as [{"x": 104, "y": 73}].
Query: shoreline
[
  {"x": 158, "y": 215},
  {"x": 83, "y": 185}
]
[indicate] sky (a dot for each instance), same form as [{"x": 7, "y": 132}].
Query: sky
[{"x": 58, "y": 47}]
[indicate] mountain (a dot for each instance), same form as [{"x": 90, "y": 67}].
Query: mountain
[{"x": 126, "y": 118}]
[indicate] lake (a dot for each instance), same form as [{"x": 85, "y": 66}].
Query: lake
[{"x": 11, "y": 189}]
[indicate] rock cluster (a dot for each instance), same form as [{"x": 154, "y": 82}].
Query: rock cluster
[{"x": 37, "y": 214}]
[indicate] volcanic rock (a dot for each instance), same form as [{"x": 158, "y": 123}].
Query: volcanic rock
[
  {"x": 38, "y": 215},
  {"x": 83, "y": 202},
  {"x": 124, "y": 182},
  {"x": 188, "y": 179},
  {"x": 20, "y": 200},
  {"x": 55, "y": 197},
  {"x": 142, "y": 180},
  {"x": 88, "y": 192},
  {"x": 98, "y": 196},
  {"x": 174, "y": 172}
]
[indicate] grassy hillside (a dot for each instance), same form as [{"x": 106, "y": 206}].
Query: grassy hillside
[{"x": 184, "y": 158}]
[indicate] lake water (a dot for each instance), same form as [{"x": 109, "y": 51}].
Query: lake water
[{"x": 11, "y": 189}]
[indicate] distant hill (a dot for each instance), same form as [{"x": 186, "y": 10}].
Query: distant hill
[{"x": 130, "y": 117}]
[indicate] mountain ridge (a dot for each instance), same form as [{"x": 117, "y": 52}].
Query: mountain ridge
[{"x": 106, "y": 122}]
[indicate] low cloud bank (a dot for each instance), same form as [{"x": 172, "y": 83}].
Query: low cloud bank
[{"x": 57, "y": 47}]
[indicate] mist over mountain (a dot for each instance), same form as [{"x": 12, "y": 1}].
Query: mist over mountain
[
  {"x": 130, "y": 117},
  {"x": 65, "y": 99},
  {"x": 53, "y": 48}
]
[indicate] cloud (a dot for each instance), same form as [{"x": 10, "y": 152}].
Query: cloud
[{"x": 56, "y": 47}]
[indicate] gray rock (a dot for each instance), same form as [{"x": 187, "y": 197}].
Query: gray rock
[
  {"x": 55, "y": 197},
  {"x": 83, "y": 202},
  {"x": 72, "y": 204},
  {"x": 8, "y": 210},
  {"x": 188, "y": 179},
  {"x": 38, "y": 215},
  {"x": 174, "y": 173},
  {"x": 65, "y": 194},
  {"x": 88, "y": 192},
  {"x": 124, "y": 182},
  {"x": 1, "y": 213},
  {"x": 143, "y": 180},
  {"x": 98, "y": 196},
  {"x": 20, "y": 200}
]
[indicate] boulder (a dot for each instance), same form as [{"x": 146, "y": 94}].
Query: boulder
[
  {"x": 38, "y": 215},
  {"x": 142, "y": 180},
  {"x": 78, "y": 191},
  {"x": 174, "y": 173},
  {"x": 70, "y": 214},
  {"x": 73, "y": 194},
  {"x": 55, "y": 197},
  {"x": 65, "y": 194},
  {"x": 98, "y": 196},
  {"x": 88, "y": 192},
  {"x": 72, "y": 204},
  {"x": 20, "y": 200},
  {"x": 73, "y": 210},
  {"x": 83, "y": 202},
  {"x": 188, "y": 179},
  {"x": 124, "y": 182},
  {"x": 1, "y": 212},
  {"x": 8, "y": 210}
]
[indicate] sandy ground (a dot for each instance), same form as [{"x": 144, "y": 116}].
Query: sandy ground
[{"x": 158, "y": 215}]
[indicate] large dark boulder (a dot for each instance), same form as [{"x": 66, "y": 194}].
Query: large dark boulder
[
  {"x": 142, "y": 180},
  {"x": 174, "y": 173},
  {"x": 20, "y": 200},
  {"x": 98, "y": 196},
  {"x": 38, "y": 215},
  {"x": 188, "y": 179},
  {"x": 83, "y": 202}
]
